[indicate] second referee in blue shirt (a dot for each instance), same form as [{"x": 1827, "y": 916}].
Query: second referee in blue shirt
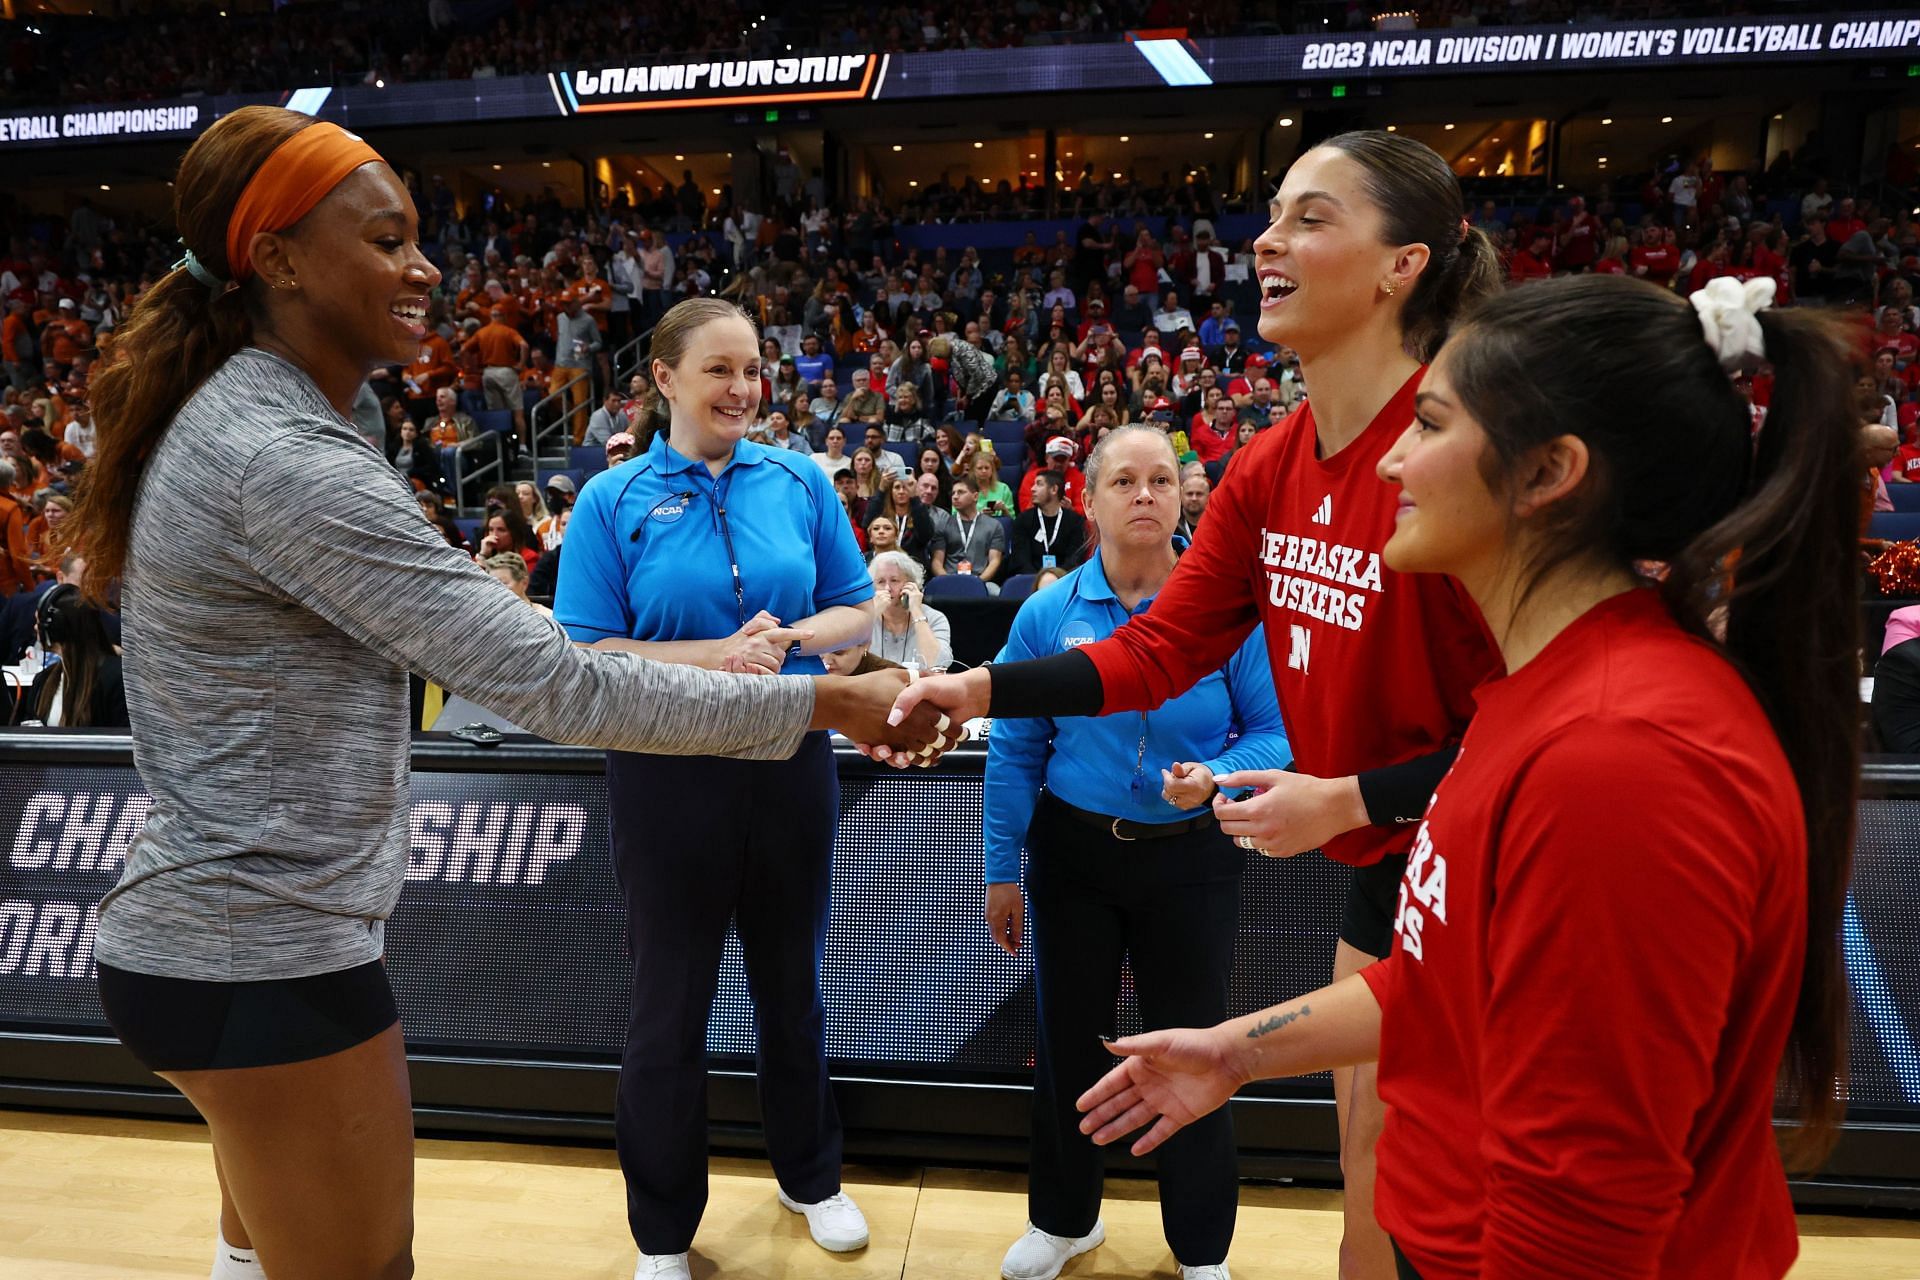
[{"x": 1124, "y": 862}]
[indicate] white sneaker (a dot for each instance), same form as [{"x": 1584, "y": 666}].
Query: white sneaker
[
  {"x": 1217, "y": 1271},
  {"x": 836, "y": 1223},
  {"x": 662, "y": 1266},
  {"x": 1039, "y": 1256}
]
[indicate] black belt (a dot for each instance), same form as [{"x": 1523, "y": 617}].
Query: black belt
[{"x": 1129, "y": 830}]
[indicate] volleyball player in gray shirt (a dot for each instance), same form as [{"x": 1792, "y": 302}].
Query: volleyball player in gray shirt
[{"x": 279, "y": 584}]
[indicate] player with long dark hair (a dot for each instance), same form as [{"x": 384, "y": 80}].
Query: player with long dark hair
[{"x": 1619, "y": 930}]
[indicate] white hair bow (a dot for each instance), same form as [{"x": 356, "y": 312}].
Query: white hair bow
[{"x": 1728, "y": 309}]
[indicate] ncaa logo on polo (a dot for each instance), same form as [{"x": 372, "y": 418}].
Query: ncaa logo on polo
[
  {"x": 1076, "y": 634},
  {"x": 668, "y": 509}
]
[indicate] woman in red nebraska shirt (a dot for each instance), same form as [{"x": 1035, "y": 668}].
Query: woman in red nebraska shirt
[
  {"x": 1365, "y": 267},
  {"x": 1620, "y": 925}
]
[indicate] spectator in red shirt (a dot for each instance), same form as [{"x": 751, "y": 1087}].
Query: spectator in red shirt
[
  {"x": 1579, "y": 237},
  {"x": 1059, "y": 460},
  {"x": 1658, "y": 257},
  {"x": 1710, "y": 265},
  {"x": 1905, "y": 467},
  {"x": 1366, "y": 266},
  {"x": 1143, "y": 263},
  {"x": 1213, "y": 438},
  {"x": 1844, "y": 223},
  {"x": 1888, "y": 332},
  {"x": 1613, "y": 261},
  {"x": 1600, "y": 1101},
  {"x": 1535, "y": 262}
]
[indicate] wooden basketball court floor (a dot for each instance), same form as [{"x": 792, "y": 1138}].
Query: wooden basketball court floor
[{"x": 97, "y": 1198}]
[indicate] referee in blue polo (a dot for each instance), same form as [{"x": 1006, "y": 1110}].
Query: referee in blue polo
[
  {"x": 1124, "y": 861},
  {"x": 711, "y": 550}
]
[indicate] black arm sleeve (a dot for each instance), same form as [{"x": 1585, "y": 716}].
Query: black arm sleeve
[
  {"x": 1398, "y": 794},
  {"x": 1066, "y": 684}
]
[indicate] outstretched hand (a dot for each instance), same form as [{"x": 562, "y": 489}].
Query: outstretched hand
[
  {"x": 863, "y": 708},
  {"x": 1166, "y": 1080},
  {"x": 957, "y": 698}
]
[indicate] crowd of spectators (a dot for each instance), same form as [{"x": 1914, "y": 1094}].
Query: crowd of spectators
[
  {"x": 171, "y": 49},
  {"x": 951, "y": 394}
]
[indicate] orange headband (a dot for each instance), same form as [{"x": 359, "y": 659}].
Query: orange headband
[{"x": 296, "y": 177}]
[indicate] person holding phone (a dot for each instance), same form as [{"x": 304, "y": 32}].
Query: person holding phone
[
  {"x": 711, "y": 551},
  {"x": 1125, "y": 864},
  {"x": 906, "y": 629}
]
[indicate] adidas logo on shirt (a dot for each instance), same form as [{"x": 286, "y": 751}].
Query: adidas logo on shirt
[{"x": 1323, "y": 514}]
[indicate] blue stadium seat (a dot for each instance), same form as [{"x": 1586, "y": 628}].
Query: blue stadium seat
[
  {"x": 1005, "y": 434},
  {"x": 1011, "y": 455},
  {"x": 470, "y": 530},
  {"x": 530, "y": 397},
  {"x": 956, "y": 586},
  {"x": 494, "y": 420},
  {"x": 589, "y": 459},
  {"x": 908, "y": 453},
  {"x": 1906, "y": 497},
  {"x": 1895, "y": 526},
  {"x": 1018, "y": 587},
  {"x": 1006, "y": 527},
  {"x": 1011, "y": 476}
]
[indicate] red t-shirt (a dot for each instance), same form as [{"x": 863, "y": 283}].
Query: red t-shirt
[
  {"x": 1372, "y": 667},
  {"x": 1609, "y": 267},
  {"x": 1906, "y": 463},
  {"x": 1207, "y": 441},
  {"x": 1660, "y": 261},
  {"x": 1595, "y": 965},
  {"x": 1073, "y": 488},
  {"x": 1579, "y": 241},
  {"x": 1527, "y": 267}
]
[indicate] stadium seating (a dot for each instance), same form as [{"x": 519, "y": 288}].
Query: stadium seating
[
  {"x": 956, "y": 586},
  {"x": 1018, "y": 587},
  {"x": 589, "y": 459},
  {"x": 1895, "y": 526},
  {"x": 1906, "y": 497}
]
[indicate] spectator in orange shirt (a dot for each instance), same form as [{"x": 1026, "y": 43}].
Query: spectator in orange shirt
[
  {"x": 25, "y": 478},
  {"x": 16, "y": 344},
  {"x": 466, "y": 358},
  {"x": 503, "y": 354},
  {"x": 67, "y": 336},
  {"x": 16, "y": 565},
  {"x": 431, "y": 370},
  {"x": 40, "y": 532},
  {"x": 538, "y": 375},
  {"x": 595, "y": 293},
  {"x": 472, "y": 298},
  {"x": 449, "y": 426}
]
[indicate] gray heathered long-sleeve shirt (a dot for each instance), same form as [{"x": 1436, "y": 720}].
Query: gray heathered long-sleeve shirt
[{"x": 280, "y": 584}]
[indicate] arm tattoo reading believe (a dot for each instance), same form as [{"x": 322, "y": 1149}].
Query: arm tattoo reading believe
[{"x": 1268, "y": 1025}]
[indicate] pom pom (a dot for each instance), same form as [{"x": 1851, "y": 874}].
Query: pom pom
[{"x": 1897, "y": 570}]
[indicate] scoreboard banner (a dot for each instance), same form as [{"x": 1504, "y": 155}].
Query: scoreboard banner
[
  {"x": 509, "y": 938},
  {"x": 1143, "y": 60}
]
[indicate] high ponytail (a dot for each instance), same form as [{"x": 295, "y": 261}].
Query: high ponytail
[
  {"x": 178, "y": 334},
  {"x": 1420, "y": 202},
  {"x": 1793, "y": 629},
  {"x": 1764, "y": 533}
]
